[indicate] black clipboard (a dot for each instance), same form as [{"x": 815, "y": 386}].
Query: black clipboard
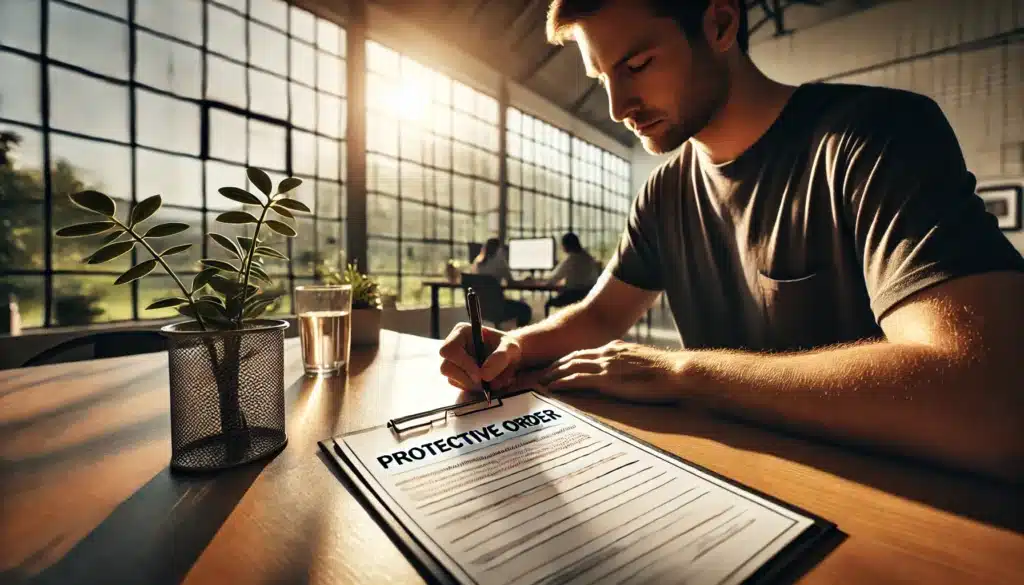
[{"x": 433, "y": 571}]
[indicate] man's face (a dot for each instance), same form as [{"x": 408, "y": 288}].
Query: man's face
[{"x": 660, "y": 85}]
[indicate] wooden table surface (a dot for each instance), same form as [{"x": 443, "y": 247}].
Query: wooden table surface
[{"x": 86, "y": 496}]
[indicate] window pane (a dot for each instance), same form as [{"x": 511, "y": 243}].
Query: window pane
[
  {"x": 303, "y": 24},
  {"x": 19, "y": 88},
  {"x": 178, "y": 179},
  {"x": 268, "y": 49},
  {"x": 269, "y": 94},
  {"x": 19, "y": 25},
  {"x": 382, "y": 255},
  {"x": 168, "y": 65},
  {"x": 413, "y": 294},
  {"x": 85, "y": 164},
  {"x": 21, "y": 227},
  {"x": 155, "y": 287},
  {"x": 303, "y": 63},
  {"x": 328, "y": 36},
  {"x": 69, "y": 90},
  {"x": 30, "y": 294},
  {"x": 93, "y": 42},
  {"x": 219, "y": 175},
  {"x": 382, "y": 215},
  {"x": 225, "y": 33},
  {"x": 331, "y": 241},
  {"x": 303, "y": 107},
  {"x": 167, "y": 123},
  {"x": 327, "y": 158},
  {"x": 267, "y": 145},
  {"x": 115, "y": 7},
  {"x": 329, "y": 115},
  {"x": 225, "y": 81},
  {"x": 227, "y": 136},
  {"x": 328, "y": 199},
  {"x": 303, "y": 153},
  {"x": 80, "y": 300},
  {"x": 181, "y": 19},
  {"x": 329, "y": 73},
  {"x": 238, "y": 5},
  {"x": 272, "y": 12},
  {"x": 304, "y": 256}
]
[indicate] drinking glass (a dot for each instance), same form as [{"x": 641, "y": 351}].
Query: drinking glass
[{"x": 325, "y": 327}]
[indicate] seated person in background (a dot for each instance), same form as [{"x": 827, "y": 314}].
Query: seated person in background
[
  {"x": 578, "y": 269},
  {"x": 491, "y": 261}
]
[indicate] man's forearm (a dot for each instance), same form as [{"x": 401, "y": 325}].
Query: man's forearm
[
  {"x": 571, "y": 329},
  {"x": 916, "y": 399}
]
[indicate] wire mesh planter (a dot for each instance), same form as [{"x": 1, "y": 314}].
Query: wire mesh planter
[{"x": 227, "y": 394}]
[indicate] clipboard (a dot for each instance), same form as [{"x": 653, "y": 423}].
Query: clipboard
[{"x": 785, "y": 564}]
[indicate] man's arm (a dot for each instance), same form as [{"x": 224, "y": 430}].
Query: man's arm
[
  {"x": 944, "y": 385},
  {"x": 611, "y": 308}
]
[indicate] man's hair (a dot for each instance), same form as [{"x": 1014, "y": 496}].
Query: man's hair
[
  {"x": 571, "y": 243},
  {"x": 688, "y": 14}
]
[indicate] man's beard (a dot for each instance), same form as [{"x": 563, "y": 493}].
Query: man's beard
[{"x": 702, "y": 106}]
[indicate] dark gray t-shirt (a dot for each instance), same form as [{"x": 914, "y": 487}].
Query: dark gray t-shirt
[{"x": 855, "y": 198}]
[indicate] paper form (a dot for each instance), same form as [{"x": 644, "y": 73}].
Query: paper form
[{"x": 530, "y": 493}]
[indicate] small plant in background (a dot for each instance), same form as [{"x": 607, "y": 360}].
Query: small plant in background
[
  {"x": 224, "y": 294},
  {"x": 366, "y": 291}
]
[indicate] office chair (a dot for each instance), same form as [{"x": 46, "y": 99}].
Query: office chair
[
  {"x": 491, "y": 295},
  {"x": 104, "y": 345}
]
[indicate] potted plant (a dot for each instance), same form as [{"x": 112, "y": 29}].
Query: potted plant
[
  {"x": 366, "y": 301},
  {"x": 226, "y": 363}
]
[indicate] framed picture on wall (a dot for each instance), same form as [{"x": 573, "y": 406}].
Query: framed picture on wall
[{"x": 1004, "y": 202}]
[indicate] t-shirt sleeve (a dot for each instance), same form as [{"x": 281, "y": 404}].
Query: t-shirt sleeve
[
  {"x": 636, "y": 261},
  {"x": 560, "y": 271},
  {"x": 910, "y": 202}
]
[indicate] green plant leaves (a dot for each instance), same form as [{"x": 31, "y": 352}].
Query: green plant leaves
[
  {"x": 245, "y": 243},
  {"x": 236, "y": 217},
  {"x": 203, "y": 278},
  {"x": 288, "y": 184},
  {"x": 226, "y": 243},
  {"x": 240, "y": 195},
  {"x": 166, "y": 229},
  {"x": 219, "y": 265},
  {"x": 167, "y": 303},
  {"x": 175, "y": 250},
  {"x": 145, "y": 209},
  {"x": 86, "y": 229},
  {"x": 256, "y": 309},
  {"x": 95, "y": 202},
  {"x": 259, "y": 273},
  {"x": 269, "y": 252},
  {"x": 109, "y": 252},
  {"x": 293, "y": 204},
  {"x": 282, "y": 211},
  {"x": 136, "y": 272},
  {"x": 187, "y": 311},
  {"x": 260, "y": 179},
  {"x": 281, "y": 228},
  {"x": 111, "y": 237}
]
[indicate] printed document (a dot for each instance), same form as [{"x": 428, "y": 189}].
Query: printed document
[{"x": 530, "y": 493}]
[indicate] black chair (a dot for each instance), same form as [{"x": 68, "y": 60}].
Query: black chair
[
  {"x": 491, "y": 296},
  {"x": 103, "y": 345}
]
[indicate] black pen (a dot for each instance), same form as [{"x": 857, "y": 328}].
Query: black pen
[{"x": 479, "y": 349}]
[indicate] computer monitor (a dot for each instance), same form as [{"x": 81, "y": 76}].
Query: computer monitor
[{"x": 531, "y": 254}]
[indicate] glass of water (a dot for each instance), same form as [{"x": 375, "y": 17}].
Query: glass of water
[{"x": 325, "y": 327}]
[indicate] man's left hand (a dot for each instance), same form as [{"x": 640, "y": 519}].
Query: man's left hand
[{"x": 624, "y": 370}]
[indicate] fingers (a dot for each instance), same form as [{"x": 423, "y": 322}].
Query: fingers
[
  {"x": 583, "y": 354},
  {"x": 576, "y": 366},
  {"x": 577, "y": 381},
  {"x": 457, "y": 376},
  {"x": 454, "y": 351},
  {"x": 505, "y": 357}
]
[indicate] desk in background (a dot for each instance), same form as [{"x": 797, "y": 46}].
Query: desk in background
[
  {"x": 87, "y": 497},
  {"x": 437, "y": 284}
]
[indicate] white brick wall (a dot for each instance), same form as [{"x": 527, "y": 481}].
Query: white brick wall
[{"x": 980, "y": 91}]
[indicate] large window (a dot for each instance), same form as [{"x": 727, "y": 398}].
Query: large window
[
  {"x": 432, "y": 171},
  {"x": 150, "y": 97},
  {"x": 601, "y": 197}
]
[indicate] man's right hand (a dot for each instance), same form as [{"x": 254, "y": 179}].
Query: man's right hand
[{"x": 460, "y": 366}]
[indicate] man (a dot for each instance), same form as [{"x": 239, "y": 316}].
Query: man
[{"x": 823, "y": 253}]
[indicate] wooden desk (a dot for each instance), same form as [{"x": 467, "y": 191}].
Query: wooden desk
[
  {"x": 86, "y": 496},
  {"x": 435, "y": 302}
]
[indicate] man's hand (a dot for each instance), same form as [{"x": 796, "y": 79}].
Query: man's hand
[
  {"x": 459, "y": 365},
  {"x": 624, "y": 370}
]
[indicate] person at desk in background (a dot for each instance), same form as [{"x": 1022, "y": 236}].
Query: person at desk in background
[
  {"x": 492, "y": 262},
  {"x": 826, "y": 260},
  {"x": 579, "y": 270}
]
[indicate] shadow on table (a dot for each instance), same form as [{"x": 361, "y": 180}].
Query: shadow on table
[
  {"x": 962, "y": 494},
  {"x": 153, "y": 537}
]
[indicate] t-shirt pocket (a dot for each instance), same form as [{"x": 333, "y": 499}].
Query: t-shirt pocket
[{"x": 799, "y": 312}]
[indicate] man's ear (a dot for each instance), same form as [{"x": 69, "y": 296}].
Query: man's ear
[{"x": 721, "y": 24}]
